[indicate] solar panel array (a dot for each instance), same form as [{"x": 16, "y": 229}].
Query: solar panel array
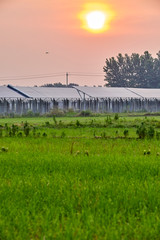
[{"x": 77, "y": 92}]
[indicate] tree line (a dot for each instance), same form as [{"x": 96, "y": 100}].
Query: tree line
[
  {"x": 136, "y": 71},
  {"x": 60, "y": 85}
]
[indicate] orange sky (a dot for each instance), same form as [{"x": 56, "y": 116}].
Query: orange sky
[{"x": 29, "y": 28}]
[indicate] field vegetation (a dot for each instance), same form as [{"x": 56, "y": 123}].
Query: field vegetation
[{"x": 95, "y": 177}]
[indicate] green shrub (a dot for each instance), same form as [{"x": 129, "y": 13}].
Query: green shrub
[
  {"x": 14, "y": 129},
  {"x": 116, "y": 116},
  {"x": 44, "y": 134},
  {"x": 141, "y": 131},
  {"x": 108, "y": 120},
  {"x": 157, "y": 135},
  {"x": 29, "y": 113},
  {"x": 56, "y": 112},
  {"x": 26, "y": 129},
  {"x": 54, "y": 119},
  {"x": 78, "y": 124},
  {"x": 150, "y": 132},
  {"x": 126, "y": 133},
  {"x": 19, "y": 134},
  {"x": 34, "y": 131},
  {"x": 86, "y": 113}
]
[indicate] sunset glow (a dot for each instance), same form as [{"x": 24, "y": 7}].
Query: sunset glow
[{"x": 96, "y": 17}]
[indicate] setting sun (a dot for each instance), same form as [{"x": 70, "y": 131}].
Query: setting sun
[
  {"x": 96, "y": 17},
  {"x": 96, "y": 20}
]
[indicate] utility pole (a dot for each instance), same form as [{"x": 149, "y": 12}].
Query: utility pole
[{"x": 67, "y": 79}]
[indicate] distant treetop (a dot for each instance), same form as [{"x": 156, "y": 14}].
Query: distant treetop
[{"x": 59, "y": 85}]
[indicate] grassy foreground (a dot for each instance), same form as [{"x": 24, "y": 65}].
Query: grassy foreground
[{"x": 79, "y": 188}]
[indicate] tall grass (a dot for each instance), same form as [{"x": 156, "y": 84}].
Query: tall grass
[{"x": 79, "y": 188}]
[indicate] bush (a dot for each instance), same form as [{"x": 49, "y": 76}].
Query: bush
[
  {"x": 29, "y": 113},
  {"x": 86, "y": 113},
  {"x": 141, "y": 131},
  {"x": 14, "y": 129},
  {"x": 26, "y": 129},
  {"x": 116, "y": 117},
  {"x": 44, "y": 134},
  {"x": 19, "y": 134},
  {"x": 78, "y": 124},
  {"x": 56, "y": 113},
  {"x": 70, "y": 112},
  {"x": 108, "y": 120},
  {"x": 150, "y": 132},
  {"x": 54, "y": 119},
  {"x": 126, "y": 133}
]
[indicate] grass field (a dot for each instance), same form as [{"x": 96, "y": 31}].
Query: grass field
[{"x": 65, "y": 179}]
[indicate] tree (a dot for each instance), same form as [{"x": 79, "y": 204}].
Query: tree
[
  {"x": 157, "y": 68},
  {"x": 141, "y": 71},
  {"x": 59, "y": 85}
]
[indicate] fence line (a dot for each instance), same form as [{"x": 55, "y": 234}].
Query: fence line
[{"x": 41, "y": 106}]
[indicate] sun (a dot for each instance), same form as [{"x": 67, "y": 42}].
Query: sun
[
  {"x": 96, "y": 17},
  {"x": 96, "y": 20}
]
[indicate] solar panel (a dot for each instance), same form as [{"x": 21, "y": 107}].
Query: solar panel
[
  {"x": 107, "y": 92},
  {"x": 147, "y": 92},
  {"x": 5, "y": 92},
  {"x": 49, "y": 92}
]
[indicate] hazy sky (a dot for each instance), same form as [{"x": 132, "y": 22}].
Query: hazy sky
[{"x": 30, "y": 28}]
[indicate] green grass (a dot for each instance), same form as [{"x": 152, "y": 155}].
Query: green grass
[{"x": 79, "y": 188}]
